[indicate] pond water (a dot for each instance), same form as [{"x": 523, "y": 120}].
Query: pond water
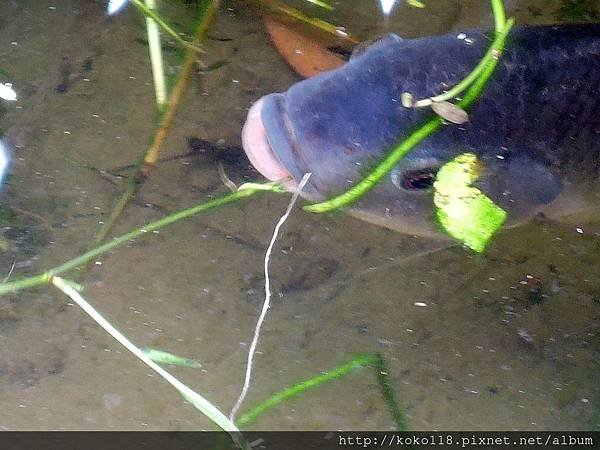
[{"x": 506, "y": 340}]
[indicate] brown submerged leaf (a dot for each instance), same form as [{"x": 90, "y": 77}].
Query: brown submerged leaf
[{"x": 306, "y": 55}]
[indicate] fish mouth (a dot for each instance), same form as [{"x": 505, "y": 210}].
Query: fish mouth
[{"x": 259, "y": 150}]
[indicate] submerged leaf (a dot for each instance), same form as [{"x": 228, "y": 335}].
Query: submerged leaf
[
  {"x": 307, "y": 56},
  {"x": 450, "y": 112}
]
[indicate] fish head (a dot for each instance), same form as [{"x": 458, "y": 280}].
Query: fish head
[
  {"x": 282, "y": 149},
  {"x": 341, "y": 124}
]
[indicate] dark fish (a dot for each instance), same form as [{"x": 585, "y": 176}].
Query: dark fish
[{"x": 536, "y": 127}]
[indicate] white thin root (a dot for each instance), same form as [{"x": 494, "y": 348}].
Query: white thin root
[{"x": 267, "y": 302}]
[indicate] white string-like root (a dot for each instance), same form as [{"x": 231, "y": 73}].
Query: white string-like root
[{"x": 267, "y": 302}]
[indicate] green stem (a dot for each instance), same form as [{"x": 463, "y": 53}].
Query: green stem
[
  {"x": 428, "y": 128},
  {"x": 198, "y": 401},
  {"x": 499, "y": 15},
  {"x": 388, "y": 393},
  {"x": 499, "y": 24},
  {"x": 376, "y": 361},
  {"x": 464, "y": 84},
  {"x": 170, "y": 31},
  {"x": 473, "y": 93},
  {"x": 156, "y": 60},
  {"x": 45, "y": 277},
  {"x": 297, "y": 389}
]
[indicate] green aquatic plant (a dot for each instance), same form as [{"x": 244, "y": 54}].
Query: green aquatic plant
[
  {"x": 115, "y": 6},
  {"x": 388, "y": 393},
  {"x": 303, "y": 386},
  {"x": 72, "y": 289},
  {"x": 374, "y": 361},
  {"x": 198, "y": 401},
  {"x": 46, "y": 277},
  {"x": 148, "y": 160}
]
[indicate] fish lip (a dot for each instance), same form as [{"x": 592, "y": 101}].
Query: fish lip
[
  {"x": 256, "y": 144},
  {"x": 270, "y": 142}
]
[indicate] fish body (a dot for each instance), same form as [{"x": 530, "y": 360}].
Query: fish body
[{"x": 535, "y": 128}]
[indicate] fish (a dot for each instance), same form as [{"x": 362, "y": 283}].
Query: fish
[{"x": 535, "y": 129}]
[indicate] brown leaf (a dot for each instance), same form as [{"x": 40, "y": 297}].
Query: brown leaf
[{"x": 306, "y": 55}]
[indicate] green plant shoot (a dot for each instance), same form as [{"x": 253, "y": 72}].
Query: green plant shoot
[{"x": 462, "y": 210}]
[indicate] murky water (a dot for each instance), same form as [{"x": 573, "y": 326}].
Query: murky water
[{"x": 508, "y": 340}]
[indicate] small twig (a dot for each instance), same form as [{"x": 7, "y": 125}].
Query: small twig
[
  {"x": 190, "y": 60},
  {"x": 267, "y": 302},
  {"x": 12, "y": 267},
  {"x": 117, "y": 171},
  {"x": 225, "y": 179},
  {"x": 151, "y": 155}
]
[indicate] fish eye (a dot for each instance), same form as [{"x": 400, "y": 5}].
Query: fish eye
[{"x": 418, "y": 180}]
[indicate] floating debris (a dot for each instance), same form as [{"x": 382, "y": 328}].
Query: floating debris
[{"x": 7, "y": 92}]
